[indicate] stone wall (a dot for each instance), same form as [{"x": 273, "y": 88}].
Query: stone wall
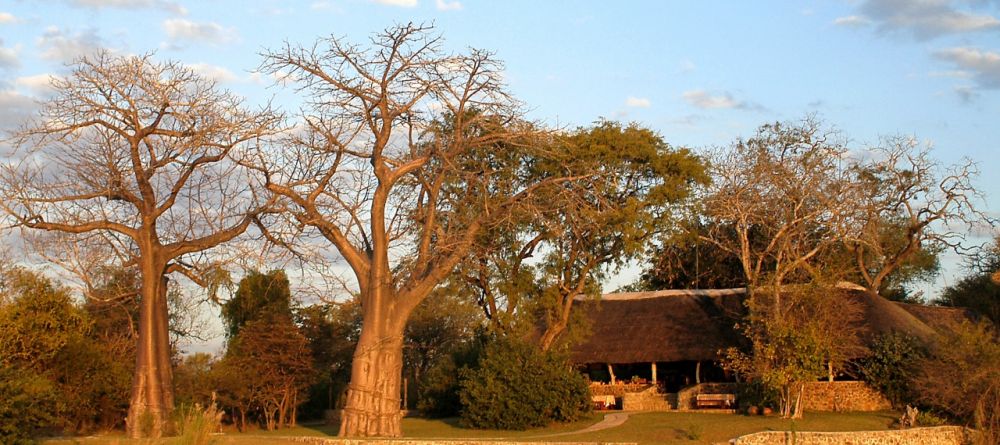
[
  {"x": 648, "y": 400},
  {"x": 942, "y": 435},
  {"x": 843, "y": 396},
  {"x": 617, "y": 390}
]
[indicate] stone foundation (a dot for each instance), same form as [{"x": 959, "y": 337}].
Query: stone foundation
[
  {"x": 942, "y": 435},
  {"x": 648, "y": 400},
  {"x": 843, "y": 396}
]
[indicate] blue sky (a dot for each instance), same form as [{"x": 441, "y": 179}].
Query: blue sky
[{"x": 702, "y": 73}]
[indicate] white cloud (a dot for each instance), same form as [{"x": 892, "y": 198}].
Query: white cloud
[
  {"x": 169, "y": 6},
  {"x": 445, "y": 5},
  {"x": 39, "y": 84},
  {"x": 926, "y": 19},
  {"x": 15, "y": 108},
  {"x": 7, "y": 18},
  {"x": 57, "y": 44},
  {"x": 852, "y": 21},
  {"x": 217, "y": 73},
  {"x": 638, "y": 102},
  {"x": 400, "y": 3},
  {"x": 984, "y": 66},
  {"x": 8, "y": 56},
  {"x": 722, "y": 100},
  {"x": 208, "y": 32}
]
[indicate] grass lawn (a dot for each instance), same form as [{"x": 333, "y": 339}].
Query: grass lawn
[{"x": 644, "y": 428}]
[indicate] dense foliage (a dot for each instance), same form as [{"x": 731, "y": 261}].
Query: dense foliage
[
  {"x": 516, "y": 386},
  {"x": 891, "y": 366}
]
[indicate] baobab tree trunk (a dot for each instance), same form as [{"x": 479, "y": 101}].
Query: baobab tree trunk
[
  {"x": 152, "y": 400},
  {"x": 373, "y": 394}
]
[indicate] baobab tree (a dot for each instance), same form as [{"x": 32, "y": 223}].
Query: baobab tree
[
  {"x": 403, "y": 155},
  {"x": 141, "y": 153}
]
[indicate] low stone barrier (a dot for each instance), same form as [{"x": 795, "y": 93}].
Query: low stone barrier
[
  {"x": 331, "y": 441},
  {"x": 941, "y": 435}
]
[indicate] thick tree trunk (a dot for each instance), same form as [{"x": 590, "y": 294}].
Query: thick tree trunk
[
  {"x": 152, "y": 400},
  {"x": 373, "y": 394}
]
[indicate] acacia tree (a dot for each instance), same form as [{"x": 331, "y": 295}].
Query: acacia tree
[
  {"x": 399, "y": 162},
  {"x": 635, "y": 183},
  {"x": 142, "y": 153}
]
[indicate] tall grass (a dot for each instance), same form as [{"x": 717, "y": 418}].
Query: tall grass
[{"x": 197, "y": 425}]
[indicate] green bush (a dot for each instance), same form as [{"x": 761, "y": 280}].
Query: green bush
[
  {"x": 517, "y": 386},
  {"x": 891, "y": 367},
  {"x": 28, "y": 403}
]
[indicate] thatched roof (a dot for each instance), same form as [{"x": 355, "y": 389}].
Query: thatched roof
[
  {"x": 687, "y": 325},
  {"x": 663, "y": 326}
]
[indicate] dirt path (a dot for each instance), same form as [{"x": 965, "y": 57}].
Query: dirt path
[{"x": 610, "y": 421}]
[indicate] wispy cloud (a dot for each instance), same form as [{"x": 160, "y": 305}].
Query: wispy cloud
[
  {"x": 983, "y": 66},
  {"x": 169, "y": 6},
  {"x": 446, "y": 5},
  {"x": 39, "y": 84},
  {"x": 925, "y": 19},
  {"x": 205, "y": 32},
  {"x": 687, "y": 66},
  {"x": 8, "y": 56},
  {"x": 721, "y": 100},
  {"x": 7, "y": 18},
  {"x": 57, "y": 44},
  {"x": 217, "y": 73},
  {"x": 400, "y": 3},
  {"x": 15, "y": 108},
  {"x": 852, "y": 21},
  {"x": 637, "y": 102}
]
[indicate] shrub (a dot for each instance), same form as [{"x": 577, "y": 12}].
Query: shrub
[
  {"x": 28, "y": 403},
  {"x": 962, "y": 368},
  {"x": 517, "y": 386},
  {"x": 891, "y": 367}
]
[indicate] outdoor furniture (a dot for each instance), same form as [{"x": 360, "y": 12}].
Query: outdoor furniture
[
  {"x": 723, "y": 401},
  {"x": 603, "y": 402}
]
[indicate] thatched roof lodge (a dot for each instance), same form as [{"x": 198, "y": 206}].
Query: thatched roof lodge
[{"x": 674, "y": 336}]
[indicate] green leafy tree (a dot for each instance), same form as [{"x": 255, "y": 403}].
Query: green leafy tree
[
  {"x": 633, "y": 185},
  {"x": 28, "y": 403},
  {"x": 257, "y": 295},
  {"x": 978, "y": 291}
]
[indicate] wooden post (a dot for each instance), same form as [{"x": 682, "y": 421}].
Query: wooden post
[
  {"x": 829, "y": 367},
  {"x": 654, "y": 372},
  {"x": 405, "y": 391},
  {"x": 611, "y": 371},
  {"x": 697, "y": 372}
]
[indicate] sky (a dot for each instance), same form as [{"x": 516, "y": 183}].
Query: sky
[{"x": 701, "y": 73}]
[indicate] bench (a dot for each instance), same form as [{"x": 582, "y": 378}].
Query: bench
[{"x": 724, "y": 401}]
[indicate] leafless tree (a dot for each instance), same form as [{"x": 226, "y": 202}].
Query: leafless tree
[
  {"x": 906, "y": 202},
  {"x": 399, "y": 162},
  {"x": 779, "y": 198},
  {"x": 141, "y": 153}
]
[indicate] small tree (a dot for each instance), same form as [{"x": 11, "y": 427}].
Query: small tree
[{"x": 141, "y": 153}]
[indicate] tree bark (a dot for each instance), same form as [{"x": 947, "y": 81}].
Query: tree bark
[
  {"x": 373, "y": 394},
  {"x": 152, "y": 400}
]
